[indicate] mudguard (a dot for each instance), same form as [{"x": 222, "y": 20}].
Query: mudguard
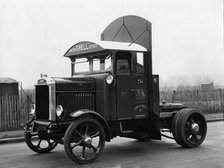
[{"x": 86, "y": 113}]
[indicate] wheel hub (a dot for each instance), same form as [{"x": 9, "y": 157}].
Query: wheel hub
[
  {"x": 88, "y": 140},
  {"x": 195, "y": 127}
]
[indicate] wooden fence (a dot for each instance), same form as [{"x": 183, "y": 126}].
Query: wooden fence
[
  {"x": 208, "y": 102},
  {"x": 14, "y": 112}
]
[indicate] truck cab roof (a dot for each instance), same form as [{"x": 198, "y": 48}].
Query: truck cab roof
[{"x": 86, "y": 47}]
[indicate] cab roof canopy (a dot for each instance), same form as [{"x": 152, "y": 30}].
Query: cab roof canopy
[
  {"x": 130, "y": 33},
  {"x": 86, "y": 47}
]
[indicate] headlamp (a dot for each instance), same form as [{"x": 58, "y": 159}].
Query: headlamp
[
  {"x": 59, "y": 110},
  {"x": 109, "y": 79},
  {"x": 32, "y": 109}
]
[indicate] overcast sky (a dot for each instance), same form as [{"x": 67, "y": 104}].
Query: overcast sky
[{"x": 34, "y": 34}]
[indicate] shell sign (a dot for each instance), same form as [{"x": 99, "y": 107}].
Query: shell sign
[{"x": 83, "y": 48}]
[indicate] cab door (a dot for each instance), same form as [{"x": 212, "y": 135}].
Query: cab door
[{"x": 132, "y": 98}]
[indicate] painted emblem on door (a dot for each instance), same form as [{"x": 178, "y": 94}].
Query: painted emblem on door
[
  {"x": 140, "y": 108},
  {"x": 140, "y": 94},
  {"x": 140, "y": 81}
]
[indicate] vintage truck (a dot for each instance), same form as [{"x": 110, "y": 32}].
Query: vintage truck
[{"x": 111, "y": 92}]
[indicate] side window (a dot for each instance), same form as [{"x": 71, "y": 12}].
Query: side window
[
  {"x": 108, "y": 63},
  {"x": 81, "y": 65},
  {"x": 128, "y": 63},
  {"x": 102, "y": 64},
  {"x": 123, "y": 63},
  {"x": 96, "y": 64},
  {"x": 139, "y": 63}
]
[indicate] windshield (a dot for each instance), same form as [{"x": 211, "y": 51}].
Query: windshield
[{"x": 92, "y": 64}]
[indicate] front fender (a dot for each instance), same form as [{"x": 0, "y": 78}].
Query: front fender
[
  {"x": 82, "y": 112},
  {"x": 86, "y": 113}
]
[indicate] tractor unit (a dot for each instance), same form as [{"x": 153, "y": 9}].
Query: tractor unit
[{"x": 111, "y": 92}]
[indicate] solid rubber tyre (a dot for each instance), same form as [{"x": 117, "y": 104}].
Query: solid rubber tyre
[
  {"x": 175, "y": 133},
  {"x": 189, "y": 128},
  {"x": 28, "y": 135},
  {"x": 79, "y": 138}
]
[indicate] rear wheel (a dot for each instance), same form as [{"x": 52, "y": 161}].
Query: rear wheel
[
  {"x": 189, "y": 128},
  {"x": 38, "y": 142},
  {"x": 84, "y": 140},
  {"x": 175, "y": 133}
]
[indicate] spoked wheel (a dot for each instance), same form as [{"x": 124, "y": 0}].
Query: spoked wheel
[
  {"x": 39, "y": 142},
  {"x": 84, "y": 140},
  {"x": 189, "y": 128}
]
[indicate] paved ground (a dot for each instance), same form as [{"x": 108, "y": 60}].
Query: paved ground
[{"x": 127, "y": 153}]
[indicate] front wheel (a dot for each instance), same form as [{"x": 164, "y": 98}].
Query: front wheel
[
  {"x": 189, "y": 128},
  {"x": 84, "y": 140},
  {"x": 37, "y": 142}
]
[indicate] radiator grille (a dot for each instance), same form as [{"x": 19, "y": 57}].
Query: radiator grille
[{"x": 42, "y": 102}]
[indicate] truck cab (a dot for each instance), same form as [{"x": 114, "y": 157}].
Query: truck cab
[
  {"x": 120, "y": 74},
  {"x": 111, "y": 92}
]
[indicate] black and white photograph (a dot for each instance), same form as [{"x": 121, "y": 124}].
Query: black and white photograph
[{"x": 111, "y": 83}]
